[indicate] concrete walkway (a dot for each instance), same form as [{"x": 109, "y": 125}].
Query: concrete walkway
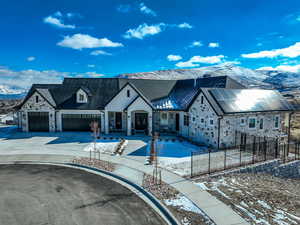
[{"x": 133, "y": 170}]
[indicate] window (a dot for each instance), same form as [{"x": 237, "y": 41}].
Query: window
[
  {"x": 128, "y": 93},
  {"x": 276, "y": 122},
  {"x": 261, "y": 123},
  {"x": 186, "y": 120},
  {"x": 202, "y": 120},
  {"x": 36, "y": 99},
  {"x": 81, "y": 97},
  {"x": 202, "y": 99},
  {"x": 252, "y": 122},
  {"x": 164, "y": 118},
  {"x": 243, "y": 121},
  {"x": 211, "y": 122}
]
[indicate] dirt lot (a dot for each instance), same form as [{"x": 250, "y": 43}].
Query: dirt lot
[
  {"x": 42, "y": 194},
  {"x": 259, "y": 198}
]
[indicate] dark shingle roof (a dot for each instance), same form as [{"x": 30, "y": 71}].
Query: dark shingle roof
[{"x": 162, "y": 94}]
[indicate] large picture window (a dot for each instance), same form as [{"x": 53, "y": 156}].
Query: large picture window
[
  {"x": 276, "y": 122},
  {"x": 186, "y": 120},
  {"x": 252, "y": 123}
]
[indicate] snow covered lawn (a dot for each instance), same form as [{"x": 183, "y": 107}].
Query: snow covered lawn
[
  {"x": 104, "y": 146},
  {"x": 176, "y": 156},
  {"x": 259, "y": 198}
]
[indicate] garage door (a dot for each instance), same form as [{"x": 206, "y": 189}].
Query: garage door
[
  {"x": 38, "y": 121},
  {"x": 78, "y": 122}
]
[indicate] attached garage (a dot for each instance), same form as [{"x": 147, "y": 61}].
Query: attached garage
[
  {"x": 38, "y": 121},
  {"x": 79, "y": 122}
]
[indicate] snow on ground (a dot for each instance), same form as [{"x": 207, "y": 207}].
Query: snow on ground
[
  {"x": 176, "y": 156},
  {"x": 260, "y": 199},
  {"x": 104, "y": 146},
  {"x": 183, "y": 203}
]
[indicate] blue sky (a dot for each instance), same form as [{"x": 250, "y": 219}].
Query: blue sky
[{"x": 46, "y": 40}]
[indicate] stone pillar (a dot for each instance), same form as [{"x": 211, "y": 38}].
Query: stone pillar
[
  {"x": 150, "y": 119},
  {"x": 106, "y": 122},
  {"x": 102, "y": 122},
  {"x": 128, "y": 123},
  {"x": 52, "y": 121},
  {"x": 59, "y": 121}
]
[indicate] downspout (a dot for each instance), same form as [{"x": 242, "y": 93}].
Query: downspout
[
  {"x": 219, "y": 130},
  {"x": 289, "y": 131}
]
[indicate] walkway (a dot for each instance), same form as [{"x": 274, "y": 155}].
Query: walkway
[{"x": 133, "y": 170}]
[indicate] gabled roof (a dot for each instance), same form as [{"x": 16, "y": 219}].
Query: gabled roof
[
  {"x": 249, "y": 100},
  {"x": 86, "y": 90},
  {"x": 222, "y": 92}
]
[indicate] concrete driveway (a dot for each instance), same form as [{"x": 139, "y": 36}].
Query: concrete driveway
[{"x": 13, "y": 141}]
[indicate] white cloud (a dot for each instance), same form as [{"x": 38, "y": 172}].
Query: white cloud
[
  {"x": 30, "y": 58},
  {"x": 174, "y": 57},
  {"x": 144, "y": 30},
  {"x": 291, "y": 52},
  {"x": 144, "y": 9},
  {"x": 213, "y": 45},
  {"x": 195, "y": 44},
  {"x": 91, "y": 65},
  {"x": 58, "y": 22},
  {"x": 196, "y": 60},
  {"x": 100, "y": 52},
  {"x": 185, "y": 25},
  {"x": 12, "y": 78},
  {"x": 80, "y": 41},
  {"x": 286, "y": 68}
]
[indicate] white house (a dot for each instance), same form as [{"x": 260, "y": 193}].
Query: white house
[{"x": 205, "y": 110}]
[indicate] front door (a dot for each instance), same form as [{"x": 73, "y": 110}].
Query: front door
[
  {"x": 118, "y": 120},
  {"x": 177, "y": 121},
  {"x": 141, "y": 121}
]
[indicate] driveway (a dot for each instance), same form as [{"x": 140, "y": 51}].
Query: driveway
[{"x": 13, "y": 141}]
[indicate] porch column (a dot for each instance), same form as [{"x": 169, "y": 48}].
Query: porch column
[
  {"x": 106, "y": 122},
  {"x": 102, "y": 121},
  {"x": 128, "y": 123},
  {"x": 150, "y": 119}
]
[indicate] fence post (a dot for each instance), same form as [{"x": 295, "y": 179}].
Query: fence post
[
  {"x": 209, "y": 161},
  {"x": 191, "y": 164},
  {"x": 241, "y": 156},
  {"x": 276, "y": 148},
  {"x": 253, "y": 150},
  {"x": 225, "y": 159}
]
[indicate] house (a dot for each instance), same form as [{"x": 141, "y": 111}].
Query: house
[{"x": 205, "y": 110}]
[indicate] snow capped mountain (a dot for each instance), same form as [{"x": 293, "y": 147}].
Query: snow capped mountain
[
  {"x": 249, "y": 77},
  {"x": 282, "y": 79},
  {"x": 7, "y": 92}
]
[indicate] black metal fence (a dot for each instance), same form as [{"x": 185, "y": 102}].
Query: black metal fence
[{"x": 245, "y": 153}]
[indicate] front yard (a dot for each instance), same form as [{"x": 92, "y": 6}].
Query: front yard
[{"x": 259, "y": 198}]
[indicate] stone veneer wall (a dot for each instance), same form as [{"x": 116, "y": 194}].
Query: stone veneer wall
[
  {"x": 231, "y": 123},
  {"x": 41, "y": 106},
  {"x": 275, "y": 168},
  {"x": 203, "y": 132}
]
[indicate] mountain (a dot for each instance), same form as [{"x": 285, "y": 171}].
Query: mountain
[
  {"x": 7, "y": 92},
  {"x": 249, "y": 77}
]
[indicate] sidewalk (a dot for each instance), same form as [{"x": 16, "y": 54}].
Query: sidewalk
[{"x": 133, "y": 170}]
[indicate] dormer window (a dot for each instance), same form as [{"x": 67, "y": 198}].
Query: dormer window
[
  {"x": 81, "y": 96},
  {"x": 36, "y": 99},
  {"x": 128, "y": 93}
]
